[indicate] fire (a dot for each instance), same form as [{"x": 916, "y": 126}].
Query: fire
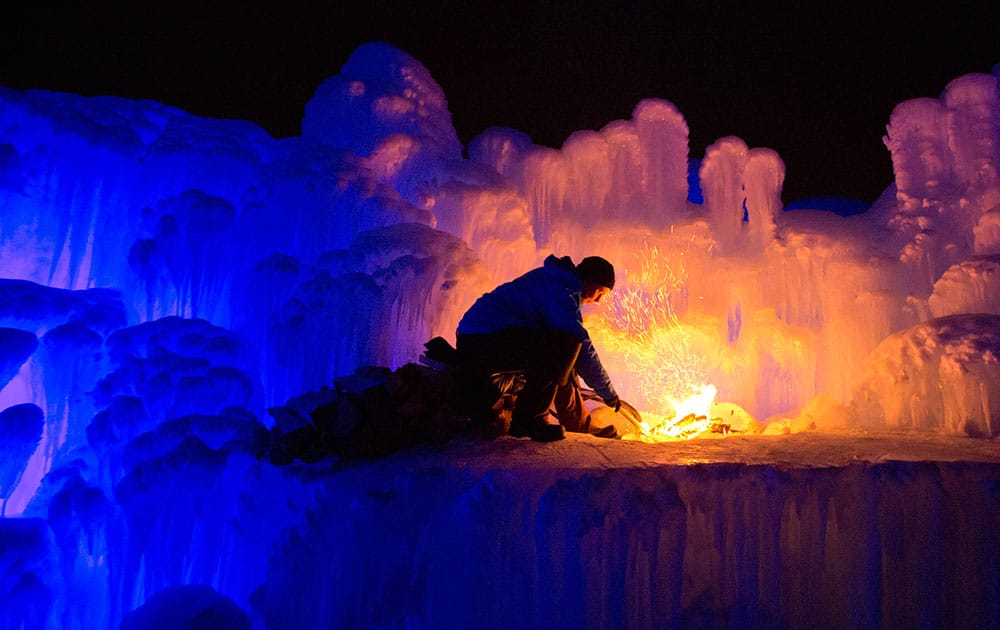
[
  {"x": 699, "y": 404},
  {"x": 653, "y": 354},
  {"x": 689, "y": 417}
]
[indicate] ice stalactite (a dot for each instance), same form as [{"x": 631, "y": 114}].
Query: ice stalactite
[
  {"x": 742, "y": 192},
  {"x": 80, "y": 515},
  {"x": 917, "y": 138},
  {"x": 220, "y": 157},
  {"x": 313, "y": 198},
  {"x": 185, "y": 263},
  {"x": 816, "y": 279},
  {"x": 161, "y": 370},
  {"x": 541, "y": 179},
  {"x": 78, "y": 351},
  {"x": 331, "y": 324},
  {"x": 75, "y": 158},
  {"x": 986, "y": 234},
  {"x": 634, "y": 181},
  {"x": 20, "y": 433},
  {"x": 588, "y": 176},
  {"x": 380, "y": 91},
  {"x": 495, "y": 222},
  {"x": 63, "y": 366},
  {"x": 174, "y": 412},
  {"x": 428, "y": 278},
  {"x": 924, "y": 169},
  {"x": 180, "y": 510}
]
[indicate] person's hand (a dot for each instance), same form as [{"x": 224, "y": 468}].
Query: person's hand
[{"x": 614, "y": 402}]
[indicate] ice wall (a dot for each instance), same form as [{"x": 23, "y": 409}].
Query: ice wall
[
  {"x": 165, "y": 279},
  {"x": 721, "y": 545},
  {"x": 215, "y": 220}
]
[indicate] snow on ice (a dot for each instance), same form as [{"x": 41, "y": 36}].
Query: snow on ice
[{"x": 171, "y": 286}]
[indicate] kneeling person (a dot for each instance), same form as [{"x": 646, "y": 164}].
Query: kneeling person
[{"x": 533, "y": 325}]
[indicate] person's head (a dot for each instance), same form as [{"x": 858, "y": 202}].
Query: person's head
[{"x": 597, "y": 276}]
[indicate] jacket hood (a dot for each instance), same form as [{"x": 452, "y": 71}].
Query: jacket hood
[{"x": 564, "y": 268}]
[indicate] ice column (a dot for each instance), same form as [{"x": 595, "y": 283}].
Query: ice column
[
  {"x": 588, "y": 184},
  {"x": 921, "y": 159},
  {"x": 542, "y": 181},
  {"x": 765, "y": 174},
  {"x": 925, "y": 182},
  {"x": 663, "y": 144},
  {"x": 631, "y": 170},
  {"x": 973, "y": 104},
  {"x": 721, "y": 174}
]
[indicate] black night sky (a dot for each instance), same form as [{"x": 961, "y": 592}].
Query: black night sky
[{"x": 814, "y": 85}]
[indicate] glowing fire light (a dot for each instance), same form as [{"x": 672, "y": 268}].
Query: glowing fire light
[
  {"x": 700, "y": 404},
  {"x": 653, "y": 352},
  {"x": 691, "y": 416}
]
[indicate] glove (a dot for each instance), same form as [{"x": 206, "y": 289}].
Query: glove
[{"x": 614, "y": 402}]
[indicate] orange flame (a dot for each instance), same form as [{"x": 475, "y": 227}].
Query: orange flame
[{"x": 653, "y": 351}]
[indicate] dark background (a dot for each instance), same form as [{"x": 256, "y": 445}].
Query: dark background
[{"x": 815, "y": 84}]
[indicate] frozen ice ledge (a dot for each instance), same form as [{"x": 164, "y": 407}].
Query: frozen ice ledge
[
  {"x": 805, "y": 530},
  {"x": 808, "y": 530}
]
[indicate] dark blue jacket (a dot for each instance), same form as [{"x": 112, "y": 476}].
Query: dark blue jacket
[{"x": 546, "y": 298}]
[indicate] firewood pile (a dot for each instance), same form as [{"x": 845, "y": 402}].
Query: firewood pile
[{"x": 372, "y": 413}]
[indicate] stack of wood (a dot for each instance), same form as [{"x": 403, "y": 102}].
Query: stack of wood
[{"x": 373, "y": 413}]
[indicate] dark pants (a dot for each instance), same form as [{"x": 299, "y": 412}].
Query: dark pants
[{"x": 545, "y": 358}]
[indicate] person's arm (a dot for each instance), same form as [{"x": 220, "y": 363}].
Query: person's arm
[{"x": 591, "y": 370}]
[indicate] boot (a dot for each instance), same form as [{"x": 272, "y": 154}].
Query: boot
[{"x": 537, "y": 429}]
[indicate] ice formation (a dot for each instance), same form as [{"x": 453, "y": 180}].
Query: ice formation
[{"x": 166, "y": 280}]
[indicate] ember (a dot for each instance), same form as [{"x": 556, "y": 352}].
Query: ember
[{"x": 656, "y": 355}]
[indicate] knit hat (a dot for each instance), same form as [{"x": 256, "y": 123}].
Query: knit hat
[{"x": 597, "y": 270}]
